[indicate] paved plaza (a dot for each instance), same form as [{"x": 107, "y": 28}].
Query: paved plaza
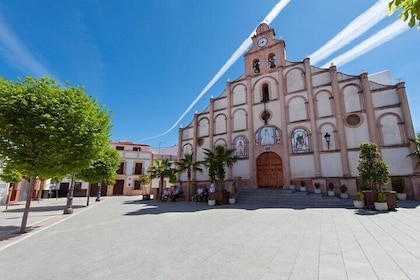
[{"x": 126, "y": 238}]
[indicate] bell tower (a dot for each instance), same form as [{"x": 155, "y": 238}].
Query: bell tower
[{"x": 266, "y": 53}]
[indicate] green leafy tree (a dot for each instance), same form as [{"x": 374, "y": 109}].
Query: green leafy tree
[
  {"x": 103, "y": 168},
  {"x": 49, "y": 131},
  {"x": 416, "y": 142},
  {"x": 10, "y": 175},
  {"x": 144, "y": 180},
  {"x": 217, "y": 161},
  {"x": 187, "y": 164},
  {"x": 410, "y": 11},
  {"x": 373, "y": 171},
  {"x": 109, "y": 181},
  {"x": 161, "y": 169}
]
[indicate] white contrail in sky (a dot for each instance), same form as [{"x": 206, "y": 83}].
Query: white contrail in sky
[
  {"x": 15, "y": 52},
  {"x": 242, "y": 48},
  {"x": 386, "y": 34},
  {"x": 352, "y": 31}
]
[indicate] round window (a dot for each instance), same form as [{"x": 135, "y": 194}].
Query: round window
[
  {"x": 353, "y": 120},
  {"x": 265, "y": 116}
]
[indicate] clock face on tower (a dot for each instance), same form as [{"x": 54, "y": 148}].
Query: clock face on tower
[{"x": 262, "y": 42}]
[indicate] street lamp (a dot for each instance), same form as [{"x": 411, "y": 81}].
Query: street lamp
[{"x": 327, "y": 139}]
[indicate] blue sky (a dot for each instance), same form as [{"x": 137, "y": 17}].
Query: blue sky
[{"x": 147, "y": 61}]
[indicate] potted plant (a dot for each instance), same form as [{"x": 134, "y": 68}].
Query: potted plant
[
  {"x": 398, "y": 185},
  {"x": 232, "y": 199},
  {"x": 211, "y": 201},
  {"x": 217, "y": 162},
  {"x": 143, "y": 181},
  {"x": 302, "y": 186},
  {"x": 317, "y": 187},
  {"x": 343, "y": 189},
  {"x": 292, "y": 186},
  {"x": 331, "y": 191},
  {"x": 373, "y": 172},
  {"x": 358, "y": 201},
  {"x": 380, "y": 203}
]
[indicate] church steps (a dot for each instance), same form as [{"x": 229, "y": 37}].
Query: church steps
[{"x": 288, "y": 198}]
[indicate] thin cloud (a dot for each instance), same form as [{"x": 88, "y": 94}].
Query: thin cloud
[
  {"x": 242, "y": 48},
  {"x": 383, "y": 36},
  {"x": 88, "y": 52},
  {"x": 14, "y": 51},
  {"x": 352, "y": 31}
]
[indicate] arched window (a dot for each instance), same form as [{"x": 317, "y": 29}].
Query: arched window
[
  {"x": 272, "y": 61},
  {"x": 256, "y": 66},
  {"x": 265, "y": 93}
]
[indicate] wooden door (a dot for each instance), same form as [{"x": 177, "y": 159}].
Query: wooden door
[
  {"x": 64, "y": 189},
  {"x": 269, "y": 171},
  {"x": 118, "y": 187},
  {"x": 94, "y": 189}
]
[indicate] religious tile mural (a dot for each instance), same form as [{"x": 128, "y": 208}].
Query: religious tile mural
[
  {"x": 241, "y": 147},
  {"x": 267, "y": 135},
  {"x": 300, "y": 141}
]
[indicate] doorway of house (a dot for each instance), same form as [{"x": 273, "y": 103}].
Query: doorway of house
[
  {"x": 269, "y": 170},
  {"x": 118, "y": 187}
]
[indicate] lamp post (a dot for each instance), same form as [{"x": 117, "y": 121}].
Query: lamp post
[{"x": 327, "y": 139}]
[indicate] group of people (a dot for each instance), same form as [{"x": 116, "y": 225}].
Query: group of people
[
  {"x": 171, "y": 196},
  {"x": 202, "y": 193}
]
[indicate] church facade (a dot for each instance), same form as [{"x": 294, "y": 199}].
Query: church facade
[{"x": 291, "y": 122}]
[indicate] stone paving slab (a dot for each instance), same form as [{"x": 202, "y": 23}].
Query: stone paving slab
[
  {"x": 125, "y": 238},
  {"x": 42, "y": 213}
]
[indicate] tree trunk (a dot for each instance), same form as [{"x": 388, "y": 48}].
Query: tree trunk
[
  {"x": 41, "y": 189},
  {"x": 188, "y": 189},
  {"x": 27, "y": 205},
  {"x": 69, "y": 206},
  {"x": 87, "y": 194},
  {"x": 160, "y": 188},
  {"x": 220, "y": 185},
  {"x": 98, "y": 193},
  {"x": 9, "y": 193}
]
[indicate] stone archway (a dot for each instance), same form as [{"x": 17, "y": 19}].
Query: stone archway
[{"x": 269, "y": 170}]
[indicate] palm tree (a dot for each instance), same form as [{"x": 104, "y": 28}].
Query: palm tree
[
  {"x": 216, "y": 161},
  {"x": 162, "y": 169},
  {"x": 187, "y": 164}
]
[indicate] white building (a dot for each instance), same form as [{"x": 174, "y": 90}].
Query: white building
[
  {"x": 169, "y": 153},
  {"x": 135, "y": 159},
  {"x": 291, "y": 121}
]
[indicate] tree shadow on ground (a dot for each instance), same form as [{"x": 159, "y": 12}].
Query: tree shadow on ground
[
  {"x": 42, "y": 208},
  {"x": 8, "y": 232},
  {"x": 12, "y": 232},
  {"x": 151, "y": 207},
  {"x": 408, "y": 203}
]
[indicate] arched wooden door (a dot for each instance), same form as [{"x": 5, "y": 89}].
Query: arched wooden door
[{"x": 269, "y": 170}]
